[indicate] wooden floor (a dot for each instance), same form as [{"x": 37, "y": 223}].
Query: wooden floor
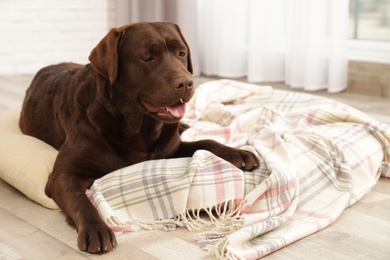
[{"x": 29, "y": 231}]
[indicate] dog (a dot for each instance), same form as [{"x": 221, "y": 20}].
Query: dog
[{"x": 122, "y": 108}]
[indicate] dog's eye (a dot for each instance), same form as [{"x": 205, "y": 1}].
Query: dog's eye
[
  {"x": 148, "y": 58},
  {"x": 182, "y": 54}
]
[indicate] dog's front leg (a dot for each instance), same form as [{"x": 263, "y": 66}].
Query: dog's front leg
[
  {"x": 240, "y": 158},
  {"x": 68, "y": 191}
]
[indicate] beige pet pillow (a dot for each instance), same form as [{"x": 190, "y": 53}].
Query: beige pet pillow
[{"x": 25, "y": 162}]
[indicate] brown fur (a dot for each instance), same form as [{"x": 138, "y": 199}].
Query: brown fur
[{"x": 106, "y": 115}]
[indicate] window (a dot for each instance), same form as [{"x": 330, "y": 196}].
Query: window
[
  {"x": 369, "y": 19},
  {"x": 369, "y": 30}
]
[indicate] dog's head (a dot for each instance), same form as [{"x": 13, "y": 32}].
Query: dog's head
[{"x": 147, "y": 65}]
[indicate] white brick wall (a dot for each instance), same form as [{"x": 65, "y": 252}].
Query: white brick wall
[{"x": 37, "y": 33}]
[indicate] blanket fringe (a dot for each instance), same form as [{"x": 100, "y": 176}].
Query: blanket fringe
[
  {"x": 225, "y": 218},
  {"x": 219, "y": 251}
]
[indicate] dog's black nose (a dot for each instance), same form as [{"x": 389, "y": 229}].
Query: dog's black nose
[{"x": 184, "y": 82}]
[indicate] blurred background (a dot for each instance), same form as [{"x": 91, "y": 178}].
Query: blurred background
[
  {"x": 310, "y": 44},
  {"x": 369, "y": 20}
]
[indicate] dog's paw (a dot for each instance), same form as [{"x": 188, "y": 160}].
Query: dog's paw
[
  {"x": 242, "y": 159},
  {"x": 96, "y": 239},
  {"x": 246, "y": 160}
]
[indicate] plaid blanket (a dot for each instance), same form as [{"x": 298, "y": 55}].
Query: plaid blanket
[{"x": 317, "y": 157}]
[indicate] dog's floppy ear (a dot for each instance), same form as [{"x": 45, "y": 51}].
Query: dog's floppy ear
[
  {"x": 189, "y": 62},
  {"x": 104, "y": 57}
]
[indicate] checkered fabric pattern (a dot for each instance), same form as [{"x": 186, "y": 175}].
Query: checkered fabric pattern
[{"x": 318, "y": 157}]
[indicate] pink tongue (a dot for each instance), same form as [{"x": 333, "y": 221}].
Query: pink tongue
[{"x": 178, "y": 110}]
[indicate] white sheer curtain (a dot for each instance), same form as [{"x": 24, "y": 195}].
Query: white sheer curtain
[{"x": 300, "y": 42}]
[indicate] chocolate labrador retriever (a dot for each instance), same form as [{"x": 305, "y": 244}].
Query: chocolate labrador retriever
[{"x": 122, "y": 108}]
